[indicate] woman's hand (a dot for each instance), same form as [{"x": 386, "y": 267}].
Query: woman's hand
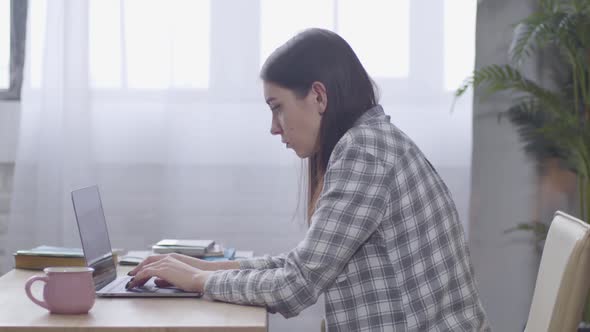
[
  {"x": 169, "y": 270},
  {"x": 192, "y": 261}
]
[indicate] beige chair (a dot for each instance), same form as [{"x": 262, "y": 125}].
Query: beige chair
[{"x": 563, "y": 280}]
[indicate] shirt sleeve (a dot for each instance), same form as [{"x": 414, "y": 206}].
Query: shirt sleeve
[
  {"x": 263, "y": 262},
  {"x": 350, "y": 208}
]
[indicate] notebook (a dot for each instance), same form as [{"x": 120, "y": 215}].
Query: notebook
[
  {"x": 195, "y": 248},
  {"x": 96, "y": 246}
]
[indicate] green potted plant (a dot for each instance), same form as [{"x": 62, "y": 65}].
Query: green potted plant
[{"x": 553, "y": 120}]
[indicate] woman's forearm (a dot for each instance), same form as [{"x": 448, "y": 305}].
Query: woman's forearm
[
  {"x": 226, "y": 265},
  {"x": 207, "y": 265}
]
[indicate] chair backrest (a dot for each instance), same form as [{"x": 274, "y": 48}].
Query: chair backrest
[{"x": 562, "y": 282}]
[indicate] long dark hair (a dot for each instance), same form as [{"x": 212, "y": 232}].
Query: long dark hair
[{"x": 318, "y": 55}]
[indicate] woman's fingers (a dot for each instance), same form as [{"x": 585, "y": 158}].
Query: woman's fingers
[
  {"x": 162, "y": 283},
  {"x": 149, "y": 260},
  {"x": 142, "y": 277},
  {"x": 145, "y": 273}
]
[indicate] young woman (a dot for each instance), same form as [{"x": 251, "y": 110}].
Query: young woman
[{"x": 384, "y": 244}]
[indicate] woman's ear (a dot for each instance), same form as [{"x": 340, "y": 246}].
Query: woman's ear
[{"x": 320, "y": 95}]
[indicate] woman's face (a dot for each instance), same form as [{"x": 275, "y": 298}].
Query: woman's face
[{"x": 297, "y": 120}]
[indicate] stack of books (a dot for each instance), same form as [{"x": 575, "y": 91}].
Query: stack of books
[
  {"x": 41, "y": 257},
  {"x": 44, "y": 256},
  {"x": 205, "y": 249}
]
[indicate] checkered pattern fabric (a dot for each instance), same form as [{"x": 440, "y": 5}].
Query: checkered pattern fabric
[{"x": 385, "y": 245}]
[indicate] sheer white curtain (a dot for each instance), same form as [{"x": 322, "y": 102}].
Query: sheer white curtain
[{"x": 159, "y": 103}]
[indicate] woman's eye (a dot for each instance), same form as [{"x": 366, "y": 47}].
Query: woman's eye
[{"x": 276, "y": 108}]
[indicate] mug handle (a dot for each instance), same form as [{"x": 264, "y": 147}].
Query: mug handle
[{"x": 30, "y": 294}]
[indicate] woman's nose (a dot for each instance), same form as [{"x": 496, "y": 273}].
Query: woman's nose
[{"x": 275, "y": 129}]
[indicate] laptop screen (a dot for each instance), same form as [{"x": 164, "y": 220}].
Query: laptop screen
[{"x": 94, "y": 235}]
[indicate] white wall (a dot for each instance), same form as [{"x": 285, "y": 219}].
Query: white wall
[{"x": 504, "y": 188}]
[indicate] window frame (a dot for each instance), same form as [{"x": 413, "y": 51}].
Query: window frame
[{"x": 18, "y": 28}]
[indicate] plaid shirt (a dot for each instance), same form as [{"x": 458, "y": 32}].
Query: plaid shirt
[{"x": 385, "y": 245}]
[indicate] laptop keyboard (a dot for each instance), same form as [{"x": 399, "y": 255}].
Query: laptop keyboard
[{"x": 118, "y": 286}]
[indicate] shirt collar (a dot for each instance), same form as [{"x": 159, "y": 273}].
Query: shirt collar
[{"x": 374, "y": 113}]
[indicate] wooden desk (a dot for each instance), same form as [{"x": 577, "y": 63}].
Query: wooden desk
[{"x": 18, "y": 313}]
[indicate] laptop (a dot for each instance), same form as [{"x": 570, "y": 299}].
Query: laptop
[{"x": 97, "y": 250}]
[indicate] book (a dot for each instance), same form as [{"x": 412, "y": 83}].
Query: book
[
  {"x": 52, "y": 251},
  {"x": 216, "y": 251},
  {"x": 197, "y": 248},
  {"x": 134, "y": 257},
  {"x": 180, "y": 250},
  {"x": 228, "y": 255},
  {"x": 31, "y": 262},
  {"x": 41, "y": 257},
  {"x": 186, "y": 243}
]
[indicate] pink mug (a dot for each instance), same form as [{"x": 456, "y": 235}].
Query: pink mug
[{"x": 67, "y": 290}]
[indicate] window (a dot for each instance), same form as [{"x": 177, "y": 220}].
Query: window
[
  {"x": 13, "y": 15},
  {"x": 4, "y": 44},
  {"x": 410, "y": 48},
  {"x": 459, "y": 41},
  {"x": 362, "y": 24},
  {"x": 137, "y": 44},
  {"x": 157, "y": 45},
  {"x": 280, "y": 20},
  {"x": 36, "y": 40},
  {"x": 356, "y": 21},
  {"x": 407, "y": 46}
]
